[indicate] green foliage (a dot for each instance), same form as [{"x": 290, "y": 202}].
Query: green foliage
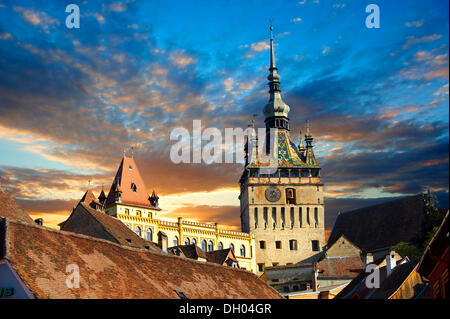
[{"x": 405, "y": 249}]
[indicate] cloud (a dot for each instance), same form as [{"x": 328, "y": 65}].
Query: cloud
[
  {"x": 297, "y": 20},
  {"x": 412, "y": 40},
  {"x": 37, "y": 18},
  {"x": 181, "y": 59},
  {"x": 5, "y": 36},
  {"x": 416, "y": 24}
]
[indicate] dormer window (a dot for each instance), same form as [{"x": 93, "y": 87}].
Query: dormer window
[
  {"x": 130, "y": 168},
  {"x": 133, "y": 187}
]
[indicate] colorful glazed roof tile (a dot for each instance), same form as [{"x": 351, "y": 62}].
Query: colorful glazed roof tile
[{"x": 288, "y": 154}]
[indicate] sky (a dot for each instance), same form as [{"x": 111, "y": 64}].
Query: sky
[{"x": 71, "y": 100}]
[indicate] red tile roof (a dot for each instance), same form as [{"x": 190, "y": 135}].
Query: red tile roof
[
  {"x": 343, "y": 267},
  {"x": 126, "y": 176},
  {"x": 40, "y": 256},
  {"x": 10, "y": 209},
  {"x": 90, "y": 222}
]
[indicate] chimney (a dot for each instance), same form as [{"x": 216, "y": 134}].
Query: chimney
[
  {"x": 367, "y": 259},
  {"x": 390, "y": 262},
  {"x": 316, "y": 274}
]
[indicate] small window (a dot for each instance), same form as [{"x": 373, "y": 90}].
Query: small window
[
  {"x": 127, "y": 211},
  {"x": 220, "y": 246},
  {"x": 293, "y": 244},
  {"x": 175, "y": 241},
  {"x": 204, "y": 245},
  {"x": 278, "y": 244},
  {"x": 262, "y": 244},
  {"x": 130, "y": 168},
  {"x": 149, "y": 234},
  {"x": 210, "y": 246},
  {"x": 186, "y": 241},
  {"x": 138, "y": 213},
  {"x": 315, "y": 245},
  {"x": 260, "y": 267},
  {"x": 242, "y": 250},
  {"x": 290, "y": 196},
  {"x": 232, "y": 247},
  {"x": 138, "y": 231},
  {"x": 133, "y": 187},
  {"x": 194, "y": 241}
]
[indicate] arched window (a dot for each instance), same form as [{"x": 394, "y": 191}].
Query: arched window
[
  {"x": 133, "y": 187},
  {"x": 242, "y": 251},
  {"x": 220, "y": 246},
  {"x": 175, "y": 241},
  {"x": 210, "y": 246},
  {"x": 138, "y": 231},
  {"x": 149, "y": 234},
  {"x": 186, "y": 241},
  {"x": 204, "y": 245},
  {"x": 193, "y": 241},
  {"x": 232, "y": 247}
]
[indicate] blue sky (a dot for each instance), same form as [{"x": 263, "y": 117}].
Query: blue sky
[{"x": 72, "y": 99}]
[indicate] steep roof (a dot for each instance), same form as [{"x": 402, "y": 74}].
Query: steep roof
[
  {"x": 40, "y": 255},
  {"x": 191, "y": 251},
  {"x": 342, "y": 267},
  {"x": 381, "y": 226},
  {"x": 10, "y": 209},
  {"x": 220, "y": 256},
  {"x": 126, "y": 178},
  {"x": 88, "y": 221},
  {"x": 88, "y": 198},
  {"x": 399, "y": 277}
]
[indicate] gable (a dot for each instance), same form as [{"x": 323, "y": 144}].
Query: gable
[{"x": 343, "y": 247}]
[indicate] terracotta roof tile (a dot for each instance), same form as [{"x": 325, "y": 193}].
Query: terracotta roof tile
[
  {"x": 10, "y": 209},
  {"x": 40, "y": 256},
  {"x": 344, "y": 267},
  {"x": 111, "y": 228}
]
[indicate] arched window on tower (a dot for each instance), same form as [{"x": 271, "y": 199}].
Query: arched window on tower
[
  {"x": 316, "y": 217},
  {"x": 307, "y": 216},
  {"x": 210, "y": 246},
  {"x": 204, "y": 245},
  {"x": 220, "y": 246},
  {"x": 149, "y": 234},
  {"x": 232, "y": 247},
  {"x": 265, "y": 213},
  {"x": 292, "y": 217},
  {"x": 256, "y": 217},
  {"x": 300, "y": 217},
  {"x": 274, "y": 217},
  {"x": 242, "y": 250},
  {"x": 133, "y": 187},
  {"x": 283, "y": 218},
  {"x": 175, "y": 241}
]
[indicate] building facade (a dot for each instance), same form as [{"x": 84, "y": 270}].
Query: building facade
[
  {"x": 281, "y": 195},
  {"x": 129, "y": 201}
]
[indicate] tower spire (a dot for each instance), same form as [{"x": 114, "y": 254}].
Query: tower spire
[{"x": 276, "y": 111}]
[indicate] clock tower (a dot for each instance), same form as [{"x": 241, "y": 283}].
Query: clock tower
[{"x": 283, "y": 207}]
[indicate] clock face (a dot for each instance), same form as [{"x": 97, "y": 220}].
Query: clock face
[{"x": 273, "y": 194}]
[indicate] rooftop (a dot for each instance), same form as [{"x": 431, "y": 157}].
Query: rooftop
[{"x": 40, "y": 256}]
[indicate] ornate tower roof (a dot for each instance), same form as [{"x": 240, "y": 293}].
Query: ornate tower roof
[
  {"x": 276, "y": 111},
  {"x": 286, "y": 153},
  {"x": 128, "y": 186}
]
